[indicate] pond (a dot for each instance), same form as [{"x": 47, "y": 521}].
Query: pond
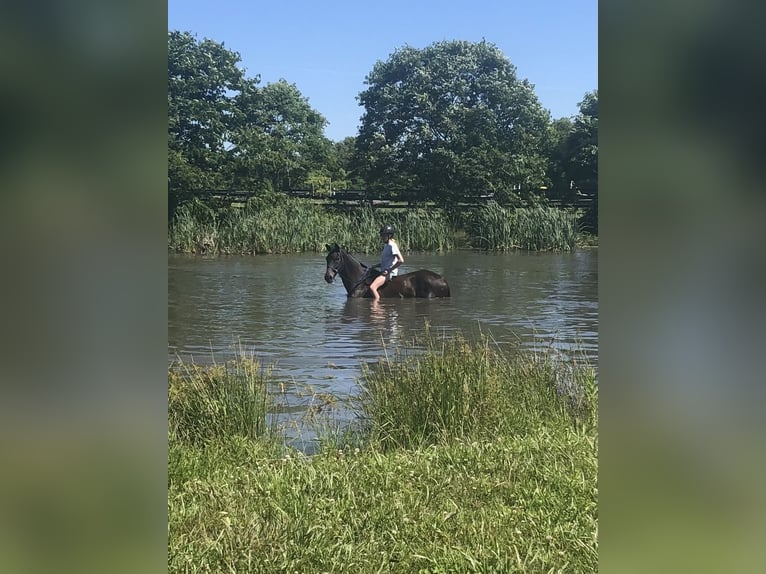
[{"x": 279, "y": 309}]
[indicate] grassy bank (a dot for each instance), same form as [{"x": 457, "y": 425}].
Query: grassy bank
[
  {"x": 467, "y": 459},
  {"x": 280, "y": 224}
]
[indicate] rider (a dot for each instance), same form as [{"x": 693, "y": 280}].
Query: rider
[{"x": 390, "y": 260}]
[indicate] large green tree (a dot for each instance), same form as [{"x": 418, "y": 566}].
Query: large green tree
[
  {"x": 203, "y": 85},
  {"x": 582, "y": 166},
  {"x": 281, "y": 138},
  {"x": 224, "y": 131},
  {"x": 574, "y": 158},
  {"x": 451, "y": 122}
]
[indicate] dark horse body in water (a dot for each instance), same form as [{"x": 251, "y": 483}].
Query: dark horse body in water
[{"x": 357, "y": 277}]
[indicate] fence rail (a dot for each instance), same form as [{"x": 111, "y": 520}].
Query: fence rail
[{"x": 359, "y": 197}]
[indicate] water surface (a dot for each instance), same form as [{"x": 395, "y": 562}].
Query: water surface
[{"x": 279, "y": 308}]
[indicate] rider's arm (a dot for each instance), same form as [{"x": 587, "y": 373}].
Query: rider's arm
[{"x": 399, "y": 261}]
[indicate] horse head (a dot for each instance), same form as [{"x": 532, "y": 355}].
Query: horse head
[{"x": 334, "y": 262}]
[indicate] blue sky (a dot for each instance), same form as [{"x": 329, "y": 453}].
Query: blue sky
[{"x": 327, "y": 48}]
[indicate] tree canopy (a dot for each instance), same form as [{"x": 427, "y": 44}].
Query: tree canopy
[
  {"x": 448, "y": 123},
  {"x": 203, "y": 79},
  {"x": 451, "y": 122},
  {"x": 224, "y": 131},
  {"x": 582, "y": 143},
  {"x": 280, "y": 138}
]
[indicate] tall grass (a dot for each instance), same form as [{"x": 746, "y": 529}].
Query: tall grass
[
  {"x": 539, "y": 228},
  {"x": 459, "y": 390},
  {"x": 194, "y": 228},
  {"x": 217, "y": 402},
  {"x": 499, "y": 474},
  {"x": 276, "y": 223},
  {"x": 416, "y": 229},
  {"x": 527, "y": 505}
]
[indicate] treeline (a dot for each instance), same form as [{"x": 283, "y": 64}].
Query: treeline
[{"x": 448, "y": 123}]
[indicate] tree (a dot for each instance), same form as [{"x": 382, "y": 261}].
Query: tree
[
  {"x": 451, "y": 122},
  {"x": 203, "y": 84},
  {"x": 280, "y": 139},
  {"x": 225, "y": 132},
  {"x": 574, "y": 160},
  {"x": 342, "y": 164},
  {"x": 559, "y": 156},
  {"x": 582, "y": 166}
]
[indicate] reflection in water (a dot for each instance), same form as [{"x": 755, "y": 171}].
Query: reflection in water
[
  {"x": 384, "y": 316},
  {"x": 279, "y": 309}
]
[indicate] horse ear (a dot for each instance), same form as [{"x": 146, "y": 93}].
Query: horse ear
[
  {"x": 327, "y": 246},
  {"x": 336, "y": 246}
]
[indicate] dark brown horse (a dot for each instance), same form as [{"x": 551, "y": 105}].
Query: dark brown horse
[{"x": 356, "y": 277}]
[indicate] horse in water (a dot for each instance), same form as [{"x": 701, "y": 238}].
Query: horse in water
[{"x": 356, "y": 277}]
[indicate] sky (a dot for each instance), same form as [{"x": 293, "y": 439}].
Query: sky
[{"x": 328, "y": 48}]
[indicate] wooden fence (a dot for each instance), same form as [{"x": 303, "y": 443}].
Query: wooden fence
[{"x": 352, "y": 198}]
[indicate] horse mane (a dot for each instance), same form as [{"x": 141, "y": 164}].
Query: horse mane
[{"x": 346, "y": 250}]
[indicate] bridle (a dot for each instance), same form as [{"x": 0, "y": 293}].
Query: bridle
[{"x": 341, "y": 264}]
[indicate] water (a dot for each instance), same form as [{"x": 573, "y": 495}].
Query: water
[{"x": 279, "y": 308}]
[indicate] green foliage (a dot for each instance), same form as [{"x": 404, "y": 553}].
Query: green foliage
[
  {"x": 213, "y": 403},
  {"x": 194, "y": 228},
  {"x": 540, "y": 228},
  {"x": 450, "y": 122},
  {"x": 582, "y": 142},
  {"x": 203, "y": 79},
  {"x": 574, "y": 158},
  {"x": 275, "y": 223},
  {"x": 456, "y": 390},
  {"x": 505, "y": 479},
  {"x": 280, "y": 139},
  {"x": 225, "y": 132},
  {"x": 526, "y": 504}
]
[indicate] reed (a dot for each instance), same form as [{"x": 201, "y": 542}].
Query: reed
[
  {"x": 276, "y": 223},
  {"x": 194, "y": 228},
  {"x": 539, "y": 228},
  {"x": 454, "y": 389},
  {"x": 219, "y": 401},
  {"x": 416, "y": 229}
]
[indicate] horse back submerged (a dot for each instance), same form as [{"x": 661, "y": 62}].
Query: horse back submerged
[{"x": 421, "y": 283}]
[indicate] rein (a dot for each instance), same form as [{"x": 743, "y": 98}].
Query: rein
[{"x": 342, "y": 265}]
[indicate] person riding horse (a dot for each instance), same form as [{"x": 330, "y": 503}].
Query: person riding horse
[{"x": 357, "y": 277}]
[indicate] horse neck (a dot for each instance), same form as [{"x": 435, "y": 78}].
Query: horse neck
[{"x": 351, "y": 273}]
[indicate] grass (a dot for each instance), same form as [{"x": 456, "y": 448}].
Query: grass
[
  {"x": 457, "y": 389},
  {"x": 540, "y": 228},
  {"x": 216, "y": 402},
  {"x": 524, "y": 505},
  {"x": 276, "y": 223},
  {"x": 469, "y": 459}
]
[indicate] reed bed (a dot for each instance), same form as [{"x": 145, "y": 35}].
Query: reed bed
[
  {"x": 539, "y": 228},
  {"x": 275, "y": 223},
  {"x": 217, "y": 402},
  {"x": 416, "y": 229},
  {"x": 194, "y": 228},
  {"x": 471, "y": 460},
  {"x": 454, "y": 389}
]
